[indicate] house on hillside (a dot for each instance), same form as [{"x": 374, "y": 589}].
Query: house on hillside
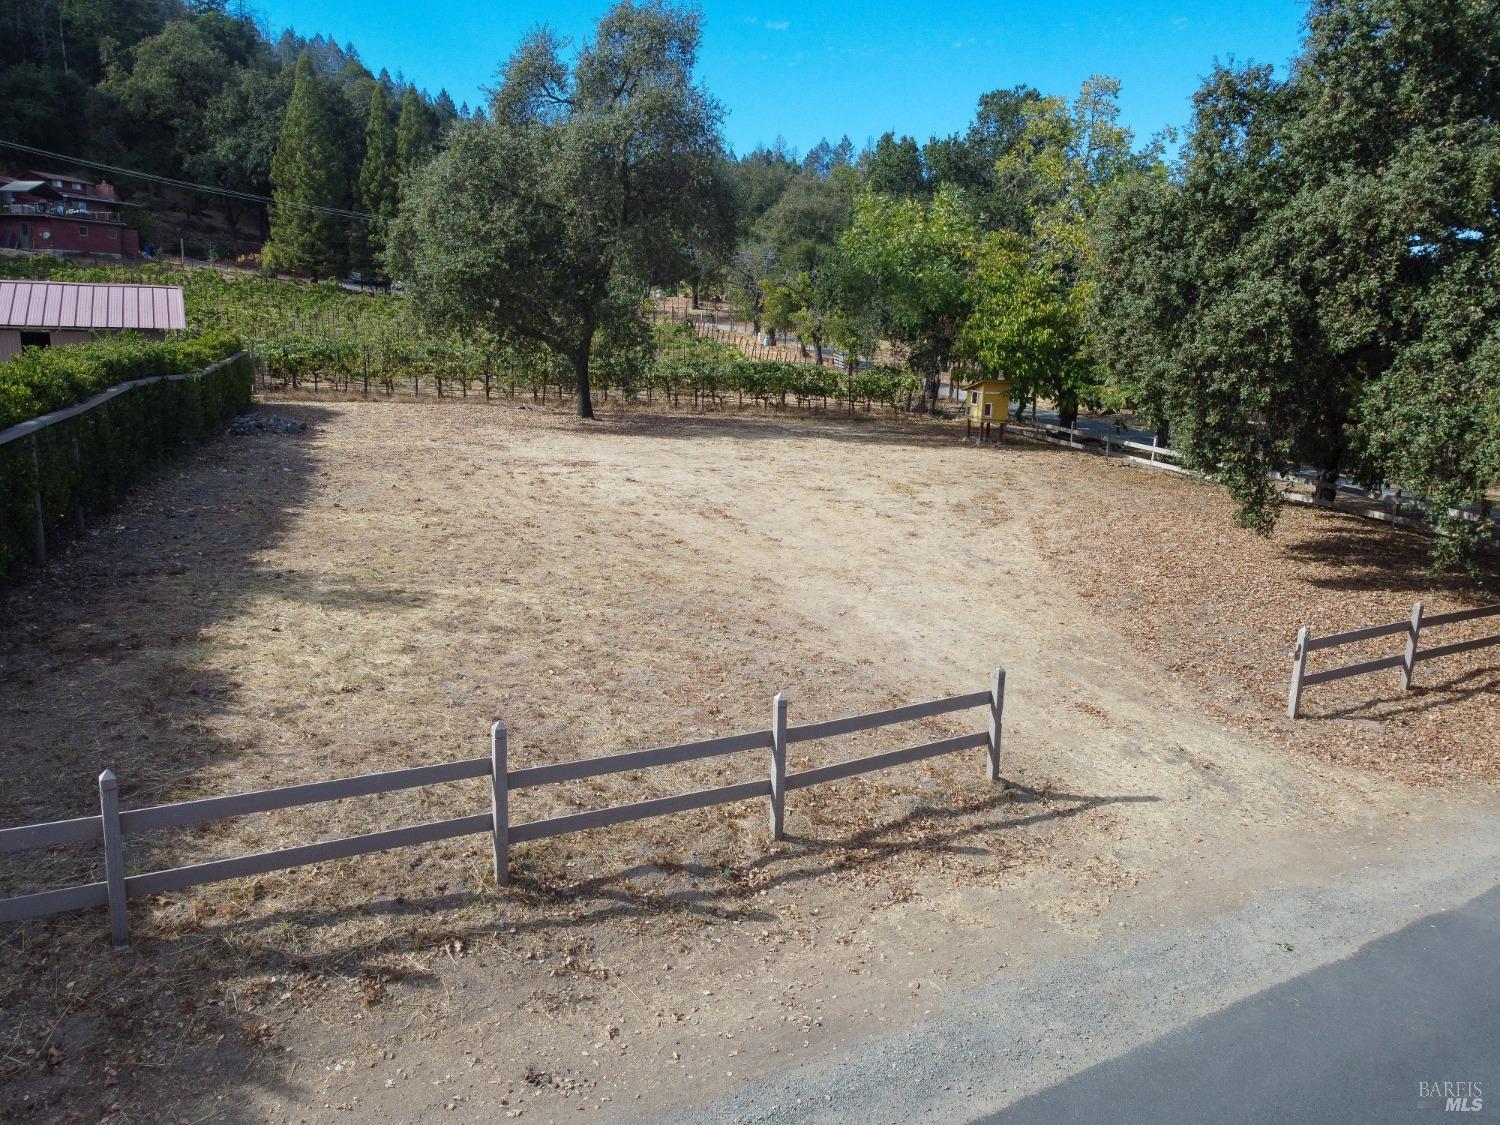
[
  {"x": 43, "y": 314},
  {"x": 64, "y": 213}
]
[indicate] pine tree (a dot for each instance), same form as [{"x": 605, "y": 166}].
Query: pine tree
[
  {"x": 414, "y": 133},
  {"x": 377, "y": 180},
  {"x": 307, "y": 171},
  {"x": 444, "y": 110}
]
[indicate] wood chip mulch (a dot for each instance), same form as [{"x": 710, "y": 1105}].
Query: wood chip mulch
[{"x": 1164, "y": 563}]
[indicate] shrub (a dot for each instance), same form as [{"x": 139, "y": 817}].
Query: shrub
[
  {"x": 41, "y": 380},
  {"x": 81, "y": 464}
]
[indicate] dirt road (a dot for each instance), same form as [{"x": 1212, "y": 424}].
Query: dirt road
[{"x": 374, "y": 593}]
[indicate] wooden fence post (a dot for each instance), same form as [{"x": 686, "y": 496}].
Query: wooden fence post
[
  {"x": 778, "y": 765},
  {"x": 1409, "y": 663},
  {"x": 997, "y": 712},
  {"x": 114, "y": 857},
  {"x": 1299, "y": 663},
  {"x": 500, "y": 804},
  {"x": 40, "y": 549}
]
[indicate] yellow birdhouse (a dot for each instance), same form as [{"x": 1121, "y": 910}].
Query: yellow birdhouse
[{"x": 989, "y": 406}]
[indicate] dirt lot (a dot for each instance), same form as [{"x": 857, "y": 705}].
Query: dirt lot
[{"x": 374, "y": 593}]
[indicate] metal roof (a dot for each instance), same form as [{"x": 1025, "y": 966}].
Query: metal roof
[
  {"x": 26, "y": 185},
  {"x": 72, "y": 304}
]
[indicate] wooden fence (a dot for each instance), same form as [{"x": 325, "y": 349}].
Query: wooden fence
[
  {"x": 1406, "y": 661},
  {"x": 111, "y": 826},
  {"x": 1155, "y": 456},
  {"x": 1390, "y": 505}
]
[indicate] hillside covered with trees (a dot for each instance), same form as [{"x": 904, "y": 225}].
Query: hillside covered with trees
[{"x": 202, "y": 92}]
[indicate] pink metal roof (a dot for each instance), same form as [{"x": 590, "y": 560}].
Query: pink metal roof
[{"x": 74, "y": 304}]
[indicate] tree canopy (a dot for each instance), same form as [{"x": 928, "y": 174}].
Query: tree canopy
[
  {"x": 1315, "y": 282},
  {"x": 548, "y": 222}
]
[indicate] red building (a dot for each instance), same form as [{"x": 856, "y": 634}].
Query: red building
[{"x": 64, "y": 213}]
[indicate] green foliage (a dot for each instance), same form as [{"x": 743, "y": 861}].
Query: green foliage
[
  {"x": 910, "y": 260},
  {"x": 416, "y": 134},
  {"x": 1026, "y": 327},
  {"x": 165, "y": 89},
  {"x": 84, "y": 462},
  {"x": 1315, "y": 283},
  {"x": 41, "y": 380},
  {"x": 686, "y": 364},
  {"x": 546, "y": 225},
  {"x": 895, "y": 167},
  {"x": 241, "y": 127},
  {"x": 379, "y": 177},
  {"x": 305, "y": 173}
]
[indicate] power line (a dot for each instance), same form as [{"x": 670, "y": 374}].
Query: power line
[{"x": 208, "y": 189}]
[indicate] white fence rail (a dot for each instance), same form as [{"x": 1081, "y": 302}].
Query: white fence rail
[
  {"x": 1405, "y": 661},
  {"x": 112, "y": 826},
  {"x": 1154, "y": 456}
]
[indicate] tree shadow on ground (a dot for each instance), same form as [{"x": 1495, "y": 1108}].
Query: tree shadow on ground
[
  {"x": 101, "y": 658},
  {"x": 1349, "y": 553}
]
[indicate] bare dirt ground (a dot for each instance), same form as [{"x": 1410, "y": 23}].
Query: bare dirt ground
[{"x": 374, "y": 593}]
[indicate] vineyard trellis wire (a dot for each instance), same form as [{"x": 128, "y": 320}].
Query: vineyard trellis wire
[{"x": 323, "y": 337}]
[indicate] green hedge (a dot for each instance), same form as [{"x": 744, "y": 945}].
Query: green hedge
[
  {"x": 87, "y": 460},
  {"x": 41, "y": 380}
]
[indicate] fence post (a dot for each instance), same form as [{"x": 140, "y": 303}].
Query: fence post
[
  {"x": 778, "y": 765},
  {"x": 1299, "y": 662},
  {"x": 997, "y": 712},
  {"x": 40, "y": 549},
  {"x": 500, "y": 804},
  {"x": 114, "y": 857},
  {"x": 1409, "y": 664}
]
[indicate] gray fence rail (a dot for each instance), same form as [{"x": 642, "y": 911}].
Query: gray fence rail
[
  {"x": 112, "y": 826},
  {"x": 1405, "y": 661}
]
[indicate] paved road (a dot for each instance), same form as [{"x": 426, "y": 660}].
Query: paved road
[
  {"x": 1352, "y": 1041},
  {"x": 1305, "y": 1002}
]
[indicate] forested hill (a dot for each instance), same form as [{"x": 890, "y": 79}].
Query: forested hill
[{"x": 193, "y": 91}]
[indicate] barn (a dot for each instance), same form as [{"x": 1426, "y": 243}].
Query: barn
[{"x": 46, "y": 314}]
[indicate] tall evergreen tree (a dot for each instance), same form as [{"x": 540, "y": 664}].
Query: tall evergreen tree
[
  {"x": 378, "y": 180},
  {"x": 414, "y": 133},
  {"x": 306, "y": 173}
]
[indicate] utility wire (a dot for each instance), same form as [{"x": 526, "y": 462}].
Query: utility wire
[{"x": 230, "y": 193}]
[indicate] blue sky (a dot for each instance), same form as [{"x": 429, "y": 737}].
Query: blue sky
[{"x": 813, "y": 70}]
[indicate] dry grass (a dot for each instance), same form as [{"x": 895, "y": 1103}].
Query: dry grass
[{"x": 373, "y": 595}]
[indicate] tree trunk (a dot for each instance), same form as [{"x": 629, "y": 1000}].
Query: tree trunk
[
  {"x": 1164, "y": 434},
  {"x": 1328, "y": 477},
  {"x": 1067, "y": 409},
  {"x": 818, "y": 351},
  {"x": 581, "y": 370},
  {"x": 696, "y": 305},
  {"x": 929, "y": 392}
]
